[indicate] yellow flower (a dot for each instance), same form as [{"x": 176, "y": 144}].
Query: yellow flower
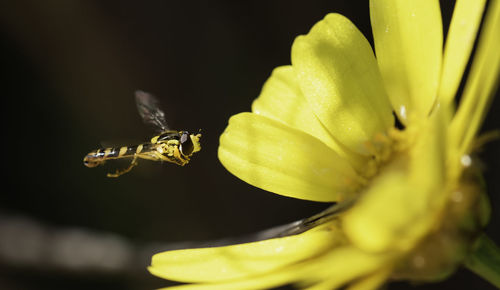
[{"x": 409, "y": 203}]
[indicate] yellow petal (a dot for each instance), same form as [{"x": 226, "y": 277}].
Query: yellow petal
[
  {"x": 251, "y": 283},
  {"x": 408, "y": 43},
  {"x": 373, "y": 223},
  {"x": 403, "y": 203},
  {"x": 325, "y": 271},
  {"x": 339, "y": 77},
  {"x": 481, "y": 84},
  {"x": 428, "y": 155},
  {"x": 282, "y": 99},
  {"x": 272, "y": 156},
  {"x": 459, "y": 41},
  {"x": 344, "y": 265},
  {"x": 373, "y": 281},
  {"x": 267, "y": 280},
  {"x": 220, "y": 264}
]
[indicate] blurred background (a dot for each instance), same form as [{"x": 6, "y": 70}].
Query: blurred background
[{"x": 68, "y": 73}]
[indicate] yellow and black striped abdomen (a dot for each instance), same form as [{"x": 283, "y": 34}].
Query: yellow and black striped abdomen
[{"x": 99, "y": 156}]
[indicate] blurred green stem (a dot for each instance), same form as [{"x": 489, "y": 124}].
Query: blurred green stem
[{"x": 485, "y": 260}]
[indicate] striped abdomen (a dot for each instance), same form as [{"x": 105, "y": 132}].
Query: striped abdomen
[{"x": 99, "y": 156}]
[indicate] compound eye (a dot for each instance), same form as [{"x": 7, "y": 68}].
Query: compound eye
[{"x": 186, "y": 144}]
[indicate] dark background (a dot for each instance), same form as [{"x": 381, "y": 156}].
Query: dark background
[{"x": 68, "y": 73}]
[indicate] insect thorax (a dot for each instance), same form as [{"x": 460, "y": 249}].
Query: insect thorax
[{"x": 167, "y": 136}]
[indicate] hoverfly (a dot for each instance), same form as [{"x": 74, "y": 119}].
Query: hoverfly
[{"x": 169, "y": 145}]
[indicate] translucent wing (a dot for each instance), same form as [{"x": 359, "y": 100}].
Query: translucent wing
[
  {"x": 150, "y": 112},
  {"x": 300, "y": 226},
  {"x": 293, "y": 228}
]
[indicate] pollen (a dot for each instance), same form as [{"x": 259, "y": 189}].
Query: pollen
[{"x": 385, "y": 148}]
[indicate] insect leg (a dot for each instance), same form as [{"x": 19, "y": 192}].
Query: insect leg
[{"x": 123, "y": 171}]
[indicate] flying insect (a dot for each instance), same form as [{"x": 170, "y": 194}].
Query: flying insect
[{"x": 168, "y": 145}]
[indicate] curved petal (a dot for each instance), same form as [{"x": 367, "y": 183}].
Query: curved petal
[
  {"x": 328, "y": 270},
  {"x": 481, "y": 84},
  {"x": 409, "y": 45},
  {"x": 373, "y": 281},
  {"x": 404, "y": 202},
  {"x": 219, "y": 264},
  {"x": 272, "y": 156},
  {"x": 344, "y": 265},
  {"x": 388, "y": 217},
  {"x": 339, "y": 77},
  {"x": 459, "y": 41},
  {"x": 282, "y": 99}
]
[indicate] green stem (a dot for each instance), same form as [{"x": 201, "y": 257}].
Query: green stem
[{"x": 485, "y": 260}]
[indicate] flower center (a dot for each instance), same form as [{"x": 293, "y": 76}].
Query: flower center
[{"x": 384, "y": 148}]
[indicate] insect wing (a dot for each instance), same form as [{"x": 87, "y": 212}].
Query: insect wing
[
  {"x": 150, "y": 112},
  {"x": 290, "y": 229},
  {"x": 303, "y": 225}
]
